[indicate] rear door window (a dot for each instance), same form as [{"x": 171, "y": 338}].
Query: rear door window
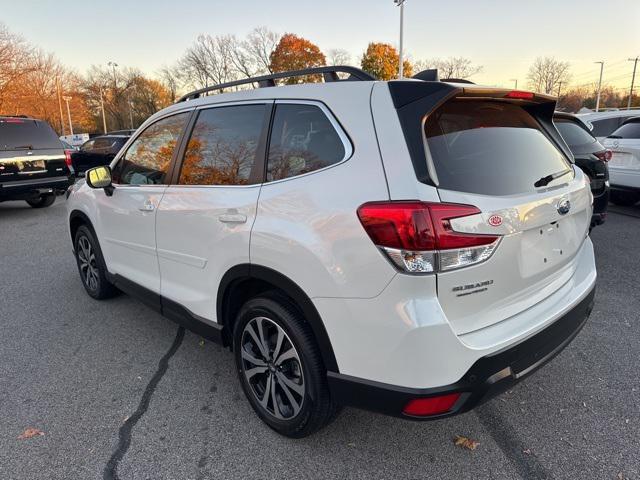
[
  {"x": 490, "y": 148},
  {"x": 573, "y": 133},
  {"x": 223, "y": 146},
  {"x": 27, "y": 134},
  {"x": 604, "y": 127},
  {"x": 303, "y": 139}
]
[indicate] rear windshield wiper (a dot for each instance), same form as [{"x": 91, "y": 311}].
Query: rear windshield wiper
[{"x": 544, "y": 181}]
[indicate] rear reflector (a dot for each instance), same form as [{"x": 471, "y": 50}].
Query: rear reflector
[
  {"x": 519, "y": 94},
  {"x": 67, "y": 158},
  {"x": 424, "y": 407},
  {"x": 418, "y": 238}
]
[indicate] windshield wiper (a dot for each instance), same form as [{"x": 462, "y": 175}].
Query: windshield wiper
[
  {"x": 544, "y": 181},
  {"x": 23, "y": 147},
  {"x": 614, "y": 136}
]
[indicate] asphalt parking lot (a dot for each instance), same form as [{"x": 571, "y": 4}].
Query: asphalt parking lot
[{"x": 120, "y": 392}]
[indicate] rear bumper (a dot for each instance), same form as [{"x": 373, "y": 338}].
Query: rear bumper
[
  {"x": 487, "y": 377},
  {"x": 28, "y": 188}
]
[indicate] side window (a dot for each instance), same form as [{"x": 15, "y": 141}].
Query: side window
[
  {"x": 147, "y": 159},
  {"x": 87, "y": 146},
  {"x": 223, "y": 146},
  {"x": 302, "y": 140}
]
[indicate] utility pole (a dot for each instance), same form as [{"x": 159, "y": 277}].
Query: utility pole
[
  {"x": 67, "y": 99},
  {"x": 60, "y": 104},
  {"x": 559, "y": 87},
  {"x": 514, "y": 80},
  {"x": 131, "y": 113},
  {"x": 400, "y": 3},
  {"x": 633, "y": 77},
  {"x": 104, "y": 120},
  {"x": 599, "y": 86}
]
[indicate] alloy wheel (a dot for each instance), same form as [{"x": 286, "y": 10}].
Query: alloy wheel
[
  {"x": 272, "y": 368},
  {"x": 88, "y": 265}
]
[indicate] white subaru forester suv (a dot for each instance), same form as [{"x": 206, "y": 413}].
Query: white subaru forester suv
[{"x": 409, "y": 247}]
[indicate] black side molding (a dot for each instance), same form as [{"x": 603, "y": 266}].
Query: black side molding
[{"x": 170, "y": 309}]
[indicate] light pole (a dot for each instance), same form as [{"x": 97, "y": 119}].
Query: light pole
[
  {"x": 67, "y": 99},
  {"x": 599, "y": 86},
  {"x": 514, "y": 80},
  {"x": 633, "y": 77},
  {"x": 60, "y": 105},
  {"x": 400, "y": 3},
  {"x": 113, "y": 65},
  {"x": 559, "y": 87},
  {"x": 104, "y": 120}
]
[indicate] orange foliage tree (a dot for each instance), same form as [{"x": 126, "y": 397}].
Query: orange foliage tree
[
  {"x": 296, "y": 53},
  {"x": 382, "y": 61}
]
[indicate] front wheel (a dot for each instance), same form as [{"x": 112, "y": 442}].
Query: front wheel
[
  {"x": 42, "y": 201},
  {"x": 93, "y": 271},
  {"x": 280, "y": 367}
]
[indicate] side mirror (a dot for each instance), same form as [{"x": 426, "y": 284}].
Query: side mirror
[{"x": 100, "y": 177}]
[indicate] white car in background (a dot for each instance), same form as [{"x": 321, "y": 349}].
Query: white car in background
[
  {"x": 602, "y": 124},
  {"x": 624, "y": 167}
]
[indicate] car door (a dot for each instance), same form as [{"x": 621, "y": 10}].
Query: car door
[
  {"x": 204, "y": 219},
  {"x": 127, "y": 217}
]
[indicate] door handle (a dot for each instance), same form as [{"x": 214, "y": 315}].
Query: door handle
[
  {"x": 232, "y": 218},
  {"x": 147, "y": 206}
]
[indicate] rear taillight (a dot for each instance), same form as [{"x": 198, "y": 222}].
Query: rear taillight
[
  {"x": 604, "y": 155},
  {"x": 67, "y": 158},
  {"x": 424, "y": 407},
  {"x": 418, "y": 236}
]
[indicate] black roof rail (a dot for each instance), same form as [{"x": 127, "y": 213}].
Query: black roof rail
[
  {"x": 457, "y": 80},
  {"x": 329, "y": 74}
]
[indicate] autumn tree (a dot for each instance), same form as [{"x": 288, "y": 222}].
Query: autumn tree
[
  {"x": 547, "y": 73},
  {"x": 295, "y": 53},
  {"x": 382, "y": 61},
  {"x": 451, "y": 67},
  {"x": 15, "y": 56}
]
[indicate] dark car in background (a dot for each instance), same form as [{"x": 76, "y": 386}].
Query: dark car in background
[
  {"x": 97, "y": 151},
  {"x": 34, "y": 165},
  {"x": 591, "y": 156}
]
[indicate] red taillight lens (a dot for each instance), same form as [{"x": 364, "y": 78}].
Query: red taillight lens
[
  {"x": 519, "y": 94},
  {"x": 424, "y": 407},
  {"x": 604, "y": 155},
  {"x": 67, "y": 157},
  {"x": 418, "y": 236},
  {"x": 401, "y": 225}
]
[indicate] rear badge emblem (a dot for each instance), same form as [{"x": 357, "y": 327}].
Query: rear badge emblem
[
  {"x": 564, "y": 206},
  {"x": 495, "y": 220}
]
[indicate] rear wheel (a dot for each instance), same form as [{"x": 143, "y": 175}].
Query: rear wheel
[
  {"x": 42, "y": 201},
  {"x": 91, "y": 266},
  {"x": 280, "y": 367},
  {"x": 624, "y": 198}
]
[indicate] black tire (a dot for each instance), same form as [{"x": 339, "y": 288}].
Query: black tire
[
  {"x": 625, "y": 199},
  {"x": 94, "y": 272},
  {"x": 315, "y": 408},
  {"x": 42, "y": 201}
]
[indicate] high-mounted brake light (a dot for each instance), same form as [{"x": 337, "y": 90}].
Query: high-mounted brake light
[
  {"x": 519, "y": 94},
  {"x": 418, "y": 237}
]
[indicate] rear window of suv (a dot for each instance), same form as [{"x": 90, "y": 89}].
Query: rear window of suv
[
  {"x": 573, "y": 133},
  {"x": 489, "y": 147},
  {"x": 26, "y": 134}
]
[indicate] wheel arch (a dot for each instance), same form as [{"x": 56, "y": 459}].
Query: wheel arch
[
  {"x": 241, "y": 282},
  {"x": 76, "y": 219}
]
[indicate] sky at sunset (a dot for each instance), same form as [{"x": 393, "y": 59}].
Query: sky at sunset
[{"x": 502, "y": 36}]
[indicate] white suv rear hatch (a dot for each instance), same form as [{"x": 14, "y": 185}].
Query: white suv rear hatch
[{"x": 494, "y": 155}]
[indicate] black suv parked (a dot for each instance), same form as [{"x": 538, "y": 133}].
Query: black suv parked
[
  {"x": 33, "y": 163},
  {"x": 98, "y": 151},
  {"x": 591, "y": 157}
]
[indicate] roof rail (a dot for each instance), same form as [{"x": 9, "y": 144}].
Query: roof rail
[
  {"x": 329, "y": 74},
  {"x": 457, "y": 80}
]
